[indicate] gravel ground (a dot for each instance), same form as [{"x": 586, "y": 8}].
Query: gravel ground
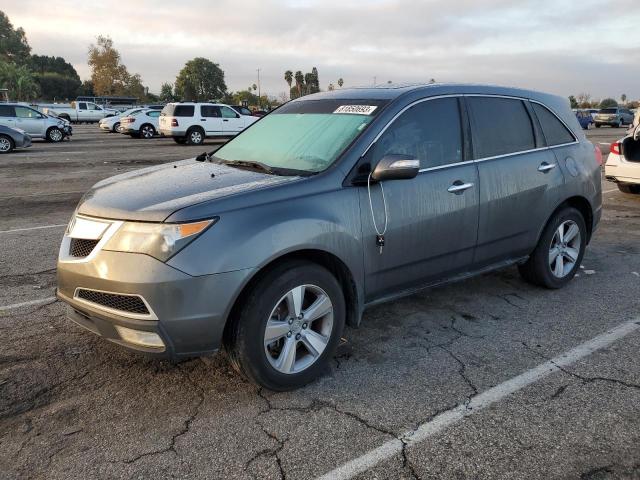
[{"x": 75, "y": 406}]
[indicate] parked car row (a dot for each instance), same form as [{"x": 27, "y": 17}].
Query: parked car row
[{"x": 22, "y": 121}]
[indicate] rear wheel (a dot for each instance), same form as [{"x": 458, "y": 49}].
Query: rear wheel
[
  {"x": 626, "y": 188},
  {"x": 55, "y": 135},
  {"x": 116, "y": 127},
  {"x": 147, "y": 131},
  {"x": 6, "y": 144},
  {"x": 557, "y": 256},
  {"x": 289, "y": 326},
  {"x": 195, "y": 136},
  {"x": 180, "y": 140}
]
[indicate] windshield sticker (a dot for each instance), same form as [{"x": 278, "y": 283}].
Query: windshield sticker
[{"x": 356, "y": 109}]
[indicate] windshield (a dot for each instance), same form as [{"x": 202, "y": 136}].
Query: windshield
[{"x": 303, "y": 135}]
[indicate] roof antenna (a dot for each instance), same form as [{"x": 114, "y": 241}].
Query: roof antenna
[{"x": 379, "y": 234}]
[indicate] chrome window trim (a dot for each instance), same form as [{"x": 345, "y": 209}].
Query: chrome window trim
[
  {"x": 138, "y": 316},
  {"x": 483, "y": 159}
]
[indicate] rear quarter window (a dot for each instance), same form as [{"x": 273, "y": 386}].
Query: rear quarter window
[
  {"x": 178, "y": 110},
  {"x": 7, "y": 111},
  {"x": 500, "y": 126},
  {"x": 553, "y": 129}
]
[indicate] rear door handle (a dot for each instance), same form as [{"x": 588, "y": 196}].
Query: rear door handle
[
  {"x": 203, "y": 119},
  {"x": 458, "y": 187},
  {"x": 545, "y": 167},
  {"x": 225, "y": 119}
]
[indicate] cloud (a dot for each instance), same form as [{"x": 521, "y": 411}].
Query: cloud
[{"x": 562, "y": 47}]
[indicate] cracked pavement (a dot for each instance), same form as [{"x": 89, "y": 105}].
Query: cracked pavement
[{"x": 75, "y": 406}]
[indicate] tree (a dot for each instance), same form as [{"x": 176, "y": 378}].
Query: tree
[
  {"x": 86, "y": 89},
  {"x": 108, "y": 75},
  {"x": 19, "y": 80},
  {"x": 299, "y": 77},
  {"x": 608, "y": 103},
  {"x": 166, "y": 92},
  {"x": 331, "y": 87},
  {"x": 623, "y": 97},
  {"x": 13, "y": 43},
  {"x": 200, "y": 79},
  {"x": 288, "y": 77},
  {"x": 56, "y": 77},
  {"x": 573, "y": 101},
  {"x": 583, "y": 100},
  {"x": 340, "y": 82}
]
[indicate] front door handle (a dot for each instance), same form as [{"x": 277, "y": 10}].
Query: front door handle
[
  {"x": 545, "y": 167},
  {"x": 458, "y": 187},
  {"x": 225, "y": 119},
  {"x": 203, "y": 119}
]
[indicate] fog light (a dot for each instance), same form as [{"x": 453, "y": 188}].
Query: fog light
[{"x": 139, "y": 337}]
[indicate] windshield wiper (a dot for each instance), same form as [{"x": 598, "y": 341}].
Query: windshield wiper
[
  {"x": 262, "y": 167},
  {"x": 250, "y": 165}
]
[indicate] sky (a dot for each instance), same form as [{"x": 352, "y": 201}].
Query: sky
[{"x": 559, "y": 46}]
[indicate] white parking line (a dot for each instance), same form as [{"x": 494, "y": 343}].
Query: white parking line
[
  {"x": 33, "y": 228},
  {"x": 480, "y": 402},
  {"x": 31, "y": 303},
  {"x": 609, "y": 191}
]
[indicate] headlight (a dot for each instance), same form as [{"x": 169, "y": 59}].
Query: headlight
[
  {"x": 60, "y": 125},
  {"x": 160, "y": 240}
]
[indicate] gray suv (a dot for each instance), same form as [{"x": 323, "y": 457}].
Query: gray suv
[
  {"x": 36, "y": 124},
  {"x": 330, "y": 204},
  {"x": 614, "y": 117}
]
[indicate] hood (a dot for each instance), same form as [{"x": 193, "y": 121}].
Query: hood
[{"x": 152, "y": 194}]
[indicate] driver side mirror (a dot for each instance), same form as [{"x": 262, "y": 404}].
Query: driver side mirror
[{"x": 396, "y": 167}]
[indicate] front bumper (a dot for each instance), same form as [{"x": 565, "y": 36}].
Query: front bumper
[{"x": 188, "y": 313}]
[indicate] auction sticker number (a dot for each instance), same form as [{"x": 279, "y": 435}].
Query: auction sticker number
[{"x": 356, "y": 109}]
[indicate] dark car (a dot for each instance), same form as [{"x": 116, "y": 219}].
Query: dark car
[
  {"x": 330, "y": 204},
  {"x": 11, "y": 138},
  {"x": 242, "y": 110}
]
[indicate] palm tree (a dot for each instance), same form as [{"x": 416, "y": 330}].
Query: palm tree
[
  {"x": 288, "y": 77},
  {"x": 340, "y": 82},
  {"x": 19, "y": 80},
  {"x": 299, "y": 77}
]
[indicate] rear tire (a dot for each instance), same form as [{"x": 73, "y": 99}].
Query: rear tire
[
  {"x": 55, "y": 135},
  {"x": 626, "y": 188},
  {"x": 549, "y": 271},
  {"x": 6, "y": 144},
  {"x": 195, "y": 136},
  {"x": 180, "y": 140},
  {"x": 269, "y": 309},
  {"x": 116, "y": 127},
  {"x": 147, "y": 131}
]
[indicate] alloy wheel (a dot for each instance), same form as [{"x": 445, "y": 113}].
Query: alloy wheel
[
  {"x": 5, "y": 144},
  {"x": 55, "y": 135},
  {"x": 196, "y": 137},
  {"x": 565, "y": 249},
  {"x": 298, "y": 329},
  {"x": 147, "y": 131}
]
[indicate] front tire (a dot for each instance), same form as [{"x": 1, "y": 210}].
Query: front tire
[
  {"x": 6, "y": 144},
  {"x": 116, "y": 127},
  {"x": 55, "y": 135},
  {"x": 559, "y": 252},
  {"x": 289, "y": 326}
]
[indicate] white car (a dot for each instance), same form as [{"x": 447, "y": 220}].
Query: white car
[
  {"x": 623, "y": 164},
  {"x": 191, "y": 123},
  {"x": 112, "y": 124},
  {"x": 142, "y": 124}
]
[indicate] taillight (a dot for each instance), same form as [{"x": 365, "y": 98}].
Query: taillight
[
  {"x": 615, "y": 148},
  {"x": 598, "y": 153},
  {"x": 174, "y": 122}
]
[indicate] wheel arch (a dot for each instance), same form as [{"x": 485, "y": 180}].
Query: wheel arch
[
  {"x": 581, "y": 204},
  {"x": 320, "y": 257}
]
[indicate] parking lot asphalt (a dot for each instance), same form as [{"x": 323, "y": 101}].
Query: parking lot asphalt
[{"x": 486, "y": 378}]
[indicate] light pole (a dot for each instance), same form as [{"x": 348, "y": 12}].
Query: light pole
[{"x": 259, "y": 99}]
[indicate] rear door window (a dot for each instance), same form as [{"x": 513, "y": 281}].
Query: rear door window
[
  {"x": 500, "y": 126},
  {"x": 210, "y": 111},
  {"x": 553, "y": 129},
  {"x": 7, "y": 111},
  {"x": 429, "y": 131}
]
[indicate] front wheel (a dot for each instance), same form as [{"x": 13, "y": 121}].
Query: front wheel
[
  {"x": 289, "y": 326},
  {"x": 116, "y": 127},
  {"x": 6, "y": 144},
  {"x": 55, "y": 135},
  {"x": 557, "y": 257}
]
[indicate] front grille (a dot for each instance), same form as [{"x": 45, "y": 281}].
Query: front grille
[
  {"x": 115, "y": 301},
  {"x": 80, "y": 247}
]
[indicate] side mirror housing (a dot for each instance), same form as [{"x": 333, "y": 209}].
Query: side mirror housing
[{"x": 396, "y": 167}]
